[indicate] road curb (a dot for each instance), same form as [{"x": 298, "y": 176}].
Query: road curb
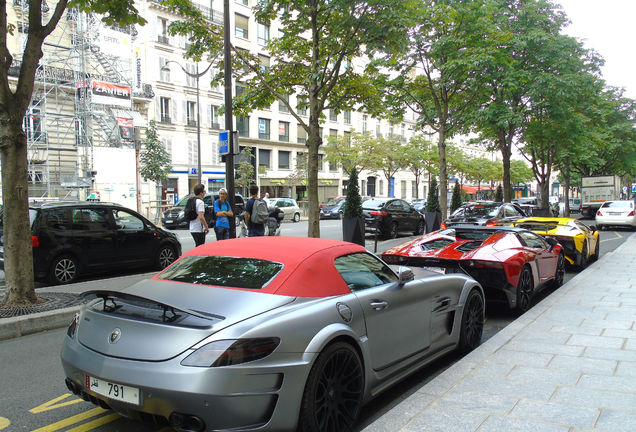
[{"x": 33, "y": 323}]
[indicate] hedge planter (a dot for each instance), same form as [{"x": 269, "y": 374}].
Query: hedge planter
[{"x": 353, "y": 230}]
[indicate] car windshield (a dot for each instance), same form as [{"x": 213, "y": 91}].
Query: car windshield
[
  {"x": 183, "y": 201},
  {"x": 237, "y": 272},
  {"x": 373, "y": 204},
  {"x": 333, "y": 201},
  {"x": 478, "y": 210}
]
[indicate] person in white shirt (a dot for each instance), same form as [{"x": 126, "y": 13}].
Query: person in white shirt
[{"x": 199, "y": 227}]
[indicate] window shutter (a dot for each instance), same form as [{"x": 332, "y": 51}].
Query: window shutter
[
  {"x": 158, "y": 109},
  {"x": 173, "y": 111},
  {"x": 184, "y": 113},
  {"x": 208, "y": 118}
]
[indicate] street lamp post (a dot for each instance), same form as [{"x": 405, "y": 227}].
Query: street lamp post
[{"x": 196, "y": 76}]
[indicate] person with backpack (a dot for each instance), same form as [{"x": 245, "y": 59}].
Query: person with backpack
[
  {"x": 222, "y": 210},
  {"x": 195, "y": 213},
  {"x": 256, "y": 214}
]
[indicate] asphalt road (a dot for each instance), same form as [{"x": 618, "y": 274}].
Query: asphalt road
[{"x": 34, "y": 396}]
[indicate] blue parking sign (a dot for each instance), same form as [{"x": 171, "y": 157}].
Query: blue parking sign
[{"x": 224, "y": 143}]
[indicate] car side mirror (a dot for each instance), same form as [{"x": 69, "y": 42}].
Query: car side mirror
[
  {"x": 405, "y": 275},
  {"x": 552, "y": 242}
]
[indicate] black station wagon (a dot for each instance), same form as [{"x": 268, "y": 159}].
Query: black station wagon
[{"x": 73, "y": 238}]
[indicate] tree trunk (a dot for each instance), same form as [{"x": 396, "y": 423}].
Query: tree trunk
[
  {"x": 313, "y": 144},
  {"x": 566, "y": 180},
  {"x": 18, "y": 253},
  {"x": 545, "y": 194},
  {"x": 505, "y": 154},
  {"x": 443, "y": 183}
]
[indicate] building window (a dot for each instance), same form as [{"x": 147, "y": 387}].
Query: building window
[
  {"x": 263, "y": 158},
  {"x": 364, "y": 124},
  {"x": 33, "y": 124},
  {"x": 192, "y": 152},
  {"x": 264, "y": 63},
  {"x": 243, "y": 126},
  {"x": 165, "y": 110},
  {"x": 167, "y": 144},
  {"x": 283, "y": 131},
  {"x": 241, "y": 26},
  {"x": 191, "y": 70},
  {"x": 321, "y": 160},
  {"x": 378, "y": 130},
  {"x": 424, "y": 193},
  {"x": 403, "y": 189},
  {"x": 215, "y": 122},
  {"x": 239, "y": 90},
  {"x": 347, "y": 136},
  {"x": 347, "y": 117},
  {"x": 301, "y": 105},
  {"x": 263, "y": 34},
  {"x": 35, "y": 176},
  {"x": 191, "y": 113},
  {"x": 263, "y": 128},
  {"x": 162, "y": 34},
  {"x": 333, "y": 167},
  {"x": 381, "y": 188},
  {"x": 301, "y": 135},
  {"x": 281, "y": 105},
  {"x": 244, "y": 2},
  {"x": 332, "y": 115},
  {"x": 390, "y": 129},
  {"x": 164, "y": 69},
  {"x": 402, "y": 136},
  {"x": 283, "y": 159}
]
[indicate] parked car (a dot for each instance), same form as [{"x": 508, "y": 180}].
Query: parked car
[
  {"x": 485, "y": 213},
  {"x": 333, "y": 210},
  {"x": 527, "y": 204},
  {"x": 419, "y": 204},
  {"x": 332, "y": 200},
  {"x": 288, "y": 206},
  {"x": 580, "y": 243},
  {"x": 616, "y": 213},
  {"x": 80, "y": 238},
  {"x": 511, "y": 264},
  {"x": 266, "y": 333},
  {"x": 389, "y": 216},
  {"x": 175, "y": 217}
]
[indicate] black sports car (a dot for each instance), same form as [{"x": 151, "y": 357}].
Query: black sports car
[{"x": 485, "y": 214}]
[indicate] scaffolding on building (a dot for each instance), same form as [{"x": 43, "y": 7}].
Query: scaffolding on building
[{"x": 64, "y": 122}]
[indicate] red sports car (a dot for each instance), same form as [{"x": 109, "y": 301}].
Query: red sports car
[{"x": 511, "y": 264}]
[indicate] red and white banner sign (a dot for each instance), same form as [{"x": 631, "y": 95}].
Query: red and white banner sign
[{"x": 110, "y": 94}]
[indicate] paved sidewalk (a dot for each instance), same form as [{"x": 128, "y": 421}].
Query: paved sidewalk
[{"x": 569, "y": 364}]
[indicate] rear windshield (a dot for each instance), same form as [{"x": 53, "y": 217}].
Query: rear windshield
[
  {"x": 618, "y": 204},
  {"x": 237, "y": 272},
  {"x": 479, "y": 210},
  {"x": 371, "y": 204}
]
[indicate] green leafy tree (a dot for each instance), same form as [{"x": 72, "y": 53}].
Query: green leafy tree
[
  {"x": 481, "y": 170},
  {"x": 386, "y": 156},
  {"x": 312, "y": 58},
  {"x": 420, "y": 157},
  {"x": 456, "y": 199},
  {"x": 14, "y": 101},
  {"x": 154, "y": 160},
  {"x": 432, "y": 202},
  {"x": 438, "y": 76},
  {"x": 509, "y": 77},
  {"x": 350, "y": 151},
  {"x": 353, "y": 204},
  {"x": 499, "y": 194},
  {"x": 245, "y": 170}
]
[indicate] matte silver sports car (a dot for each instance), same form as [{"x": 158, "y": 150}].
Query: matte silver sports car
[{"x": 266, "y": 333}]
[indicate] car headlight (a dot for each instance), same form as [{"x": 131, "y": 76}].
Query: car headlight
[
  {"x": 231, "y": 352},
  {"x": 72, "y": 329},
  {"x": 181, "y": 213}
]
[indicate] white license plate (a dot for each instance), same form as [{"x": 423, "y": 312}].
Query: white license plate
[
  {"x": 113, "y": 390},
  {"x": 436, "y": 269},
  {"x": 615, "y": 214},
  {"x": 168, "y": 220}
]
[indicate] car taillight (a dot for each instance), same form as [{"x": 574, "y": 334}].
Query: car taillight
[
  {"x": 485, "y": 264},
  {"x": 35, "y": 241},
  {"x": 231, "y": 352},
  {"x": 443, "y": 225},
  {"x": 394, "y": 259},
  {"x": 631, "y": 213},
  {"x": 598, "y": 213},
  {"x": 491, "y": 223},
  {"x": 379, "y": 214}
]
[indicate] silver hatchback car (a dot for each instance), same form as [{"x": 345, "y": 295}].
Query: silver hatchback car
[{"x": 288, "y": 206}]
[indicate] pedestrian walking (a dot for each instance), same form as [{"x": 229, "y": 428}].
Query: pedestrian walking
[
  {"x": 222, "y": 210},
  {"x": 254, "y": 214},
  {"x": 198, "y": 226}
]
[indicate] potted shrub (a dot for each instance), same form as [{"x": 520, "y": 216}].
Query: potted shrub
[
  {"x": 433, "y": 213},
  {"x": 352, "y": 219}
]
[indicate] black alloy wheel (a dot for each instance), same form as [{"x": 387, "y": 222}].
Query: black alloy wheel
[
  {"x": 166, "y": 256},
  {"x": 524, "y": 290},
  {"x": 393, "y": 230},
  {"x": 583, "y": 262},
  {"x": 333, "y": 393},
  {"x": 472, "y": 326},
  {"x": 64, "y": 270},
  {"x": 419, "y": 229},
  {"x": 560, "y": 272}
]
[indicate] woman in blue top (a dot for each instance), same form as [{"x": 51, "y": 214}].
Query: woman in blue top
[{"x": 222, "y": 210}]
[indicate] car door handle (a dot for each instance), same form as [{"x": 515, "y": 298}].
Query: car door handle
[{"x": 379, "y": 305}]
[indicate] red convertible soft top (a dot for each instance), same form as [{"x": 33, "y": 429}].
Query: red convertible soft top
[{"x": 308, "y": 263}]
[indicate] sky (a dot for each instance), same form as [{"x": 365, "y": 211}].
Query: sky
[{"x": 608, "y": 27}]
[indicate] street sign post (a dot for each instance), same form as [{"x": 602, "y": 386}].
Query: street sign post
[{"x": 224, "y": 142}]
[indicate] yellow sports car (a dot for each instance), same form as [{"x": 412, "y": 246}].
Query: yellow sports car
[{"x": 580, "y": 242}]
